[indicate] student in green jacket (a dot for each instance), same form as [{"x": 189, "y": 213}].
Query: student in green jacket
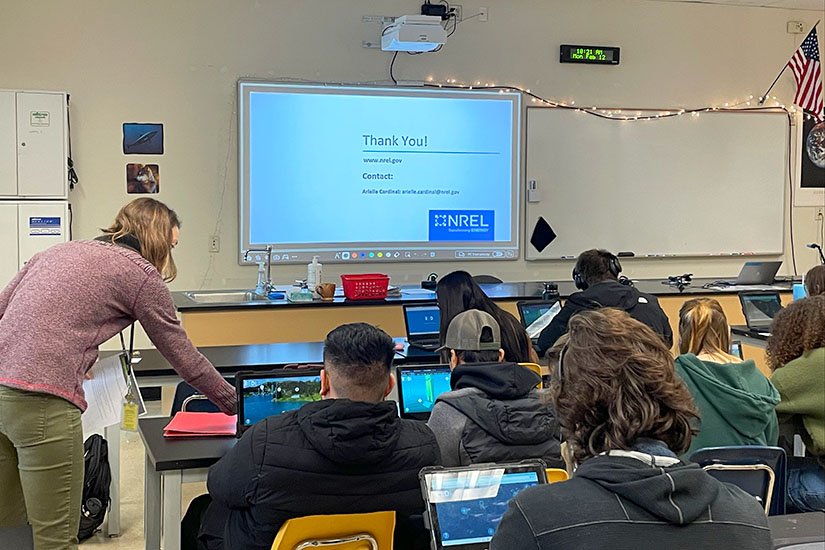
[
  {"x": 736, "y": 401},
  {"x": 796, "y": 355}
]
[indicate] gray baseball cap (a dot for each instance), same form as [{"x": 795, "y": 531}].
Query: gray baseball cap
[{"x": 464, "y": 332}]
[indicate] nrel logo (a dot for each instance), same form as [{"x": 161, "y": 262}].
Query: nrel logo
[{"x": 462, "y": 225}]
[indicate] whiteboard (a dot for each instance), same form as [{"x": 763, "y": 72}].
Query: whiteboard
[{"x": 682, "y": 186}]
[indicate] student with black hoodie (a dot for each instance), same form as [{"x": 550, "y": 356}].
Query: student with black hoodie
[
  {"x": 626, "y": 415},
  {"x": 596, "y": 274},
  {"x": 348, "y": 453},
  {"x": 494, "y": 412}
]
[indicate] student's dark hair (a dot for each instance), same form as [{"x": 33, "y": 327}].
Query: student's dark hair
[
  {"x": 472, "y": 356},
  {"x": 815, "y": 280},
  {"x": 358, "y": 357},
  {"x": 616, "y": 383},
  {"x": 795, "y": 330},
  {"x": 594, "y": 266},
  {"x": 457, "y": 292}
]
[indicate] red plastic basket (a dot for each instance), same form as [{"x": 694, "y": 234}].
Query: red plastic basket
[{"x": 369, "y": 286}]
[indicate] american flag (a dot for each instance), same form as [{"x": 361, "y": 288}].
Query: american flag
[{"x": 807, "y": 72}]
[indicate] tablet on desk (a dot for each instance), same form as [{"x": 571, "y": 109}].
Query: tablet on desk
[
  {"x": 464, "y": 505},
  {"x": 418, "y": 388},
  {"x": 262, "y": 394}
]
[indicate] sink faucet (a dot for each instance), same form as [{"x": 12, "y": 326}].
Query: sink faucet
[{"x": 268, "y": 287}]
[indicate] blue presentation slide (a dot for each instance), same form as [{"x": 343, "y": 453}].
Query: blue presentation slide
[
  {"x": 346, "y": 168},
  {"x": 423, "y": 320}
]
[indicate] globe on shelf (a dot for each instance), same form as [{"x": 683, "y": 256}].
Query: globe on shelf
[{"x": 815, "y": 145}]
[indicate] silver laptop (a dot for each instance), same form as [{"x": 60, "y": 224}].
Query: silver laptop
[{"x": 757, "y": 273}]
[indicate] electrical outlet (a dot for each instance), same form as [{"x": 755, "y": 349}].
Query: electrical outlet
[
  {"x": 215, "y": 243},
  {"x": 458, "y": 11},
  {"x": 482, "y": 14},
  {"x": 819, "y": 213},
  {"x": 796, "y": 27}
]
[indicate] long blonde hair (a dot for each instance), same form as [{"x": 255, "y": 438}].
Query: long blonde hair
[
  {"x": 151, "y": 223},
  {"x": 703, "y": 328}
]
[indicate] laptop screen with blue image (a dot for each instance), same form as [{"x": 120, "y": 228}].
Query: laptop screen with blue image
[{"x": 422, "y": 320}]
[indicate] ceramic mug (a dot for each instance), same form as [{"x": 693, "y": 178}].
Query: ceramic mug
[{"x": 326, "y": 291}]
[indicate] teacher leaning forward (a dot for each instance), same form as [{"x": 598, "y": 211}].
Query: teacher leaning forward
[{"x": 54, "y": 314}]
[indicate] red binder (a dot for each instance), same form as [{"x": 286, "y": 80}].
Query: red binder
[{"x": 200, "y": 424}]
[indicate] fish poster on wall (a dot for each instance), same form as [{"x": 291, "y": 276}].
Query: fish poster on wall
[
  {"x": 142, "y": 178},
  {"x": 142, "y": 138}
]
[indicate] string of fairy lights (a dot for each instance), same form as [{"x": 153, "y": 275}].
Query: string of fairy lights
[{"x": 751, "y": 103}]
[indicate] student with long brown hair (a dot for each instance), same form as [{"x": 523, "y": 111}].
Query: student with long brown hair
[
  {"x": 736, "y": 401},
  {"x": 54, "y": 314},
  {"x": 796, "y": 355},
  {"x": 626, "y": 415},
  {"x": 815, "y": 281},
  {"x": 458, "y": 292}
]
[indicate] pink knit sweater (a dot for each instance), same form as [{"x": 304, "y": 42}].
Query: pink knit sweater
[{"x": 71, "y": 298}]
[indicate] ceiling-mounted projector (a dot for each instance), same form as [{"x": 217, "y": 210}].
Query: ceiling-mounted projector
[{"x": 413, "y": 33}]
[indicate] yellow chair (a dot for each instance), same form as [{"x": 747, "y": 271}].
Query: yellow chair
[
  {"x": 535, "y": 368},
  {"x": 556, "y": 474},
  {"x": 341, "y": 531}
]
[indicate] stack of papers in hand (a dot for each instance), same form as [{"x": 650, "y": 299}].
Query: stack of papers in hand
[{"x": 199, "y": 424}]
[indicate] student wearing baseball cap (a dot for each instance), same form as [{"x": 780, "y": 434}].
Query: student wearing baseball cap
[{"x": 494, "y": 412}]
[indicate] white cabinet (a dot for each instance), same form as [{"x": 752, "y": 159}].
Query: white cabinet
[
  {"x": 29, "y": 227},
  {"x": 9, "y": 247},
  {"x": 33, "y": 145}
]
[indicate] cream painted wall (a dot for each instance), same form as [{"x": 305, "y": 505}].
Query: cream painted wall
[{"x": 178, "y": 63}]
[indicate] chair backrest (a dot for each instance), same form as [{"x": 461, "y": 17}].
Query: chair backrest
[
  {"x": 371, "y": 531},
  {"x": 535, "y": 368},
  {"x": 556, "y": 474},
  {"x": 755, "y": 479},
  {"x": 187, "y": 398},
  {"x": 487, "y": 279},
  {"x": 751, "y": 455}
]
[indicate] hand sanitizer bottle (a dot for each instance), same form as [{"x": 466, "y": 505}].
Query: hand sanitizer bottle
[{"x": 314, "y": 276}]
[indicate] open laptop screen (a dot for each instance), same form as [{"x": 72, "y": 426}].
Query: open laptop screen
[
  {"x": 423, "y": 320},
  {"x": 760, "y": 309},
  {"x": 275, "y": 392}
]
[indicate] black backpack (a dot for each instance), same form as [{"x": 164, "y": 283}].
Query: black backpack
[{"x": 96, "y": 482}]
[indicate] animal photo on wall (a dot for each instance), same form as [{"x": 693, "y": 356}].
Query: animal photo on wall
[
  {"x": 142, "y": 139},
  {"x": 142, "y": 178}
]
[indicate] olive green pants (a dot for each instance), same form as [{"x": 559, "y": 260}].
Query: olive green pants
[{"x": 41, "y": 466}]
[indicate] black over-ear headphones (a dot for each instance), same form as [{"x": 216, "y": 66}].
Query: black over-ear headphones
[{"x": 613, "y": 266}]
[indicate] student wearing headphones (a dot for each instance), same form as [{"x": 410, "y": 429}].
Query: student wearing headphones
[{"x": 596, "y": 274}]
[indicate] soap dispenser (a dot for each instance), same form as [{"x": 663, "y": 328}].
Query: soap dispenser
[{"x": 260, "y": 287}]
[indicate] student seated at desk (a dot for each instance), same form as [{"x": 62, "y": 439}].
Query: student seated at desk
[
  {"x": 796, "y": 355},
  {"x": 494, "y": 412},
  {"x": 596, "y": 274},
  {"x": 736, "y": 401},
  {"x": 348, "y": 453},
  {"x": 457, "y": 292},
  {"x": 626, "y": 416},
  {"x": 815, "y": 281}
]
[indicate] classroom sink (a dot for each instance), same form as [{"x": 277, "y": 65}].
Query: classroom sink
[{"x": 224, "y": 296}]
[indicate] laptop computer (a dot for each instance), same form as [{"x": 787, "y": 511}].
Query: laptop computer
[
  {"x": 262, "y": 394},
  {"x": 418, "y": 388},
  {"x": 757, "y": 273},
  {"x": 535, "y": 315},
  {"x": 423, "y": 323},
  {"x": 464, "y": 504},
  {"x": 759, "y": 309}
]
